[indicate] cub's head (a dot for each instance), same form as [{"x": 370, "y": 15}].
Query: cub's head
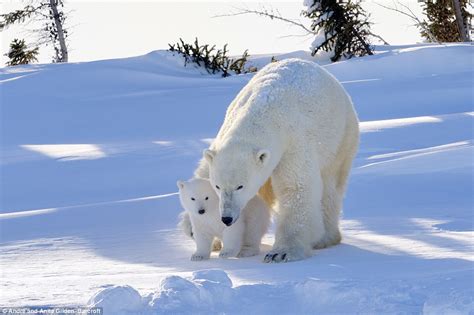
[
  {"x": 197, "y": 196},
  {"x": 236, "y": 177}
]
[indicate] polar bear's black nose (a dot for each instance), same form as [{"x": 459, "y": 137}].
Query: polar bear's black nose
[
  {"x": 227, "y": 220},
  {"x": 201, "y": 211}
]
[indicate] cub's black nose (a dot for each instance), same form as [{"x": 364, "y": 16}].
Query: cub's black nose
[
  {"x": 227, "y": 220},
  {"x": 201, "y": 211}
]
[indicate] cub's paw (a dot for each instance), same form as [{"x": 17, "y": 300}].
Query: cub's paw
[
  {"x": 198, "y": 257},
  {"x": 227, "y": 253},
  {"x": 249, "y": 251},
  {"x": 284, "y": 255}
]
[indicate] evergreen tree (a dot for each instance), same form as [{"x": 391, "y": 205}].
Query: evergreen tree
[
  {"x": 51, "y": 12},
  {"x": 442, "y": 21},
  {"x": 214, "y": 61},
  {"x": 19, "y": 55},
  {"x": 342, "y": 28}
]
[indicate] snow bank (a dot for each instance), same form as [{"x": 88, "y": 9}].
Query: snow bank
[
  {"x": 118, "y": 300},
  {"x": 206, "y": 291},
  {"x": 89, "y": 173},
  {"x": 211, "y": 292},
  {"x": 419, "y": 61}
]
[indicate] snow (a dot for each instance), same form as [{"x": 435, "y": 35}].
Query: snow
[
  {"x": 319, "y": 39},
  {"x": 89, "y": 204},
  {"x": 117, "y": 300},
  {"x": 323, "y": 17},
  {"x": 212, "y": 292},
  {"x": 311, "y": 5}
]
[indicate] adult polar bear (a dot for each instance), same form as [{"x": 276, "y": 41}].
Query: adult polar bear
[{"x": 290, "y": 135}]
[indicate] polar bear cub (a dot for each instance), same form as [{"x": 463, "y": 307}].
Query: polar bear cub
[{"x": 241, "y": 239}]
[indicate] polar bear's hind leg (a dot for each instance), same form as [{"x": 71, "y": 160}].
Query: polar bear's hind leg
[
  {"x": 331, "y": 204},
  {"x": 335, "y": 181}
]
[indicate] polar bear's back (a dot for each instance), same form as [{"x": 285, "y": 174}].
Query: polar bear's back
[
  {"x": 288, "y": 72},
  {"x": 298, "y": 84},
  {"x": 293, "y": 96}
]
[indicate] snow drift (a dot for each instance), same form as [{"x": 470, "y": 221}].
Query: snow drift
[{"x": 91, "y": 153}]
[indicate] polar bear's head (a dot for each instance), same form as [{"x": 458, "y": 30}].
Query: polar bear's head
[
  {"x": 197, "y": 196},
  {"x": 236, "y": 177}
]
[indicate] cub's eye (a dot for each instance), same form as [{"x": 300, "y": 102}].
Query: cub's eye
[
  {"x": 207, "y": 198},
  {"x": 192, "y": 198},
  {"x": 218, "y": 187},
  {"x": 240, "y": 187}
]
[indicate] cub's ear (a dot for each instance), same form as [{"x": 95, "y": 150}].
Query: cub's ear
[
  {"x": 180, "y": 184},
  {"x": 209, "y": 155},
  {"x": 263, "y": 156}
]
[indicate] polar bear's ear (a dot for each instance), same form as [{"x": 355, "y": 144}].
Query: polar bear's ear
[
  {"x": 263, "y": 156},
  {"x": 209, "y": 155},
  {"x": 180, "y": 184}
]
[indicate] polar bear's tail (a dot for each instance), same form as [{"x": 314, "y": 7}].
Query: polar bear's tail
[{"x": 185, "y": 224}]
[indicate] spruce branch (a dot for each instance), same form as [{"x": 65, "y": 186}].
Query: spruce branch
[{"x": 212, "y": 60}]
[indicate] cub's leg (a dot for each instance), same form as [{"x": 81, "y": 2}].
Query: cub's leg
[{"x": 203, "y": 246}]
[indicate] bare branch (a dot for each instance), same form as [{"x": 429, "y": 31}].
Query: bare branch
[
  {"x": 271, "y": 14},
  {"x": 295, "y": 35},
  {"x": 268, "y": 14},
  {"x": 411, "y": 15},
  {"x": 379, "y": 37}
]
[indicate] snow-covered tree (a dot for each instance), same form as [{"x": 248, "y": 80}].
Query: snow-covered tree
[
  {"x": 51, "y": 14},
  {"x": 448, "y": 20},
  {"x": 342, "y": 28},
  {"x": 19, "y": 54}
]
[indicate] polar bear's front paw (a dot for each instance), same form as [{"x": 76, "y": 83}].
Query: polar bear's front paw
[
  {"x": 226, "y": 253},
  {"x": 198, "y": 257},
  {"x": 283, "y": 255}
]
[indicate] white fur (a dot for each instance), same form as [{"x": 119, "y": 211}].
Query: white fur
[
  {"x": 292, "y": 124},
  {"x": 241, "y": 239}
]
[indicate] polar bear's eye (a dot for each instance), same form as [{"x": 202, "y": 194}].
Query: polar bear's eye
[
  {"x": 207, "y": 198},
  {"x": 240, "y": 187},
  {"x": 192, "y": 198},
  {"x": 218, "y": 187}
]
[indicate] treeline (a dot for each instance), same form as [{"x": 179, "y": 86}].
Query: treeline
[{"x": 341, "y": 28}]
